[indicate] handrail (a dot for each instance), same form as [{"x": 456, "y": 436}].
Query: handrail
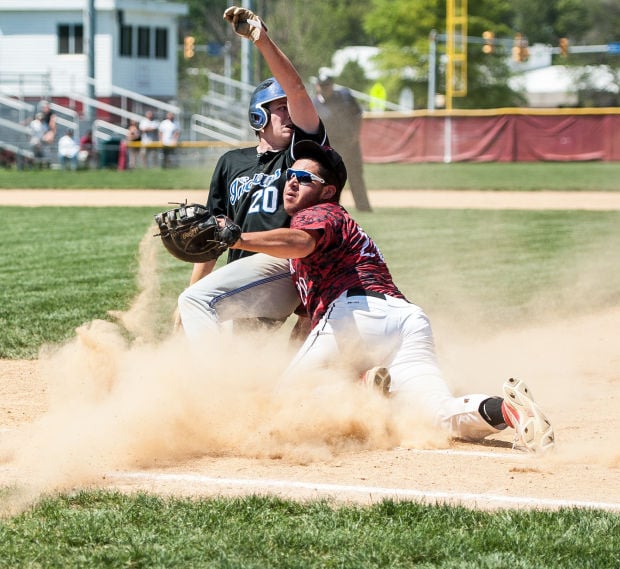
[
  {"x": 17, "y": 104},
  {"x": 17, "y": 150},
  {"x": 65, "y": 111},
  {"x": 141, "y": 98},
  {"x": 201, "y": 124},
  {"x": 106, "y": 107},
  {"x": 15, "y": 126},
  {"x": 97, "y": 124}
]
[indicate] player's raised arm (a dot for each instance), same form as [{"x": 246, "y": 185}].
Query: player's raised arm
[{"x": 246, "y": 24}]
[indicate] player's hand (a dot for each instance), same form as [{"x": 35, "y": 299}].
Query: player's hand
[
  {"x": 300, "y": 330},
  {"x": 245, "y": 23},
  {"x": 177, "y": 325}
]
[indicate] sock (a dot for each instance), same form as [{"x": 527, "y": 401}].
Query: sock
[{"x": 491, "y": 411}]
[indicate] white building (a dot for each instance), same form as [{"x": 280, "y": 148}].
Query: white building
[
  {"x": 559, "y": 85},
  {"x": 44, "y": 48}
]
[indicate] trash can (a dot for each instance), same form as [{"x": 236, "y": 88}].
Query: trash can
[{"x": 108, "y": 154}]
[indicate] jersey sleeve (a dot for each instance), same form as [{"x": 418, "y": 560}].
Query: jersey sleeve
[
  {"x": 319, "y": 219},
  {"x": 217, "y": 202},
  {"x": 298, "y": 135}
]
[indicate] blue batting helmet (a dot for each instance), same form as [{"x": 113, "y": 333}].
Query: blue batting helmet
[{"x": 267, "y": 91}]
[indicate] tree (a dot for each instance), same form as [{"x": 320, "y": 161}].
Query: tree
[
  {"x": 604, "y": 18},
  {"x": 310, "y": 32},
  {"x": 402, "y": 29}
]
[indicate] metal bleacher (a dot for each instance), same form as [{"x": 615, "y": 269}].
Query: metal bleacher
[{"x": 220, "y": 124}]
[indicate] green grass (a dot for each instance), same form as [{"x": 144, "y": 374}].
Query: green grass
[
  {"x": 599, "y": 176},
  {"x": 500, "y": 267},
  {"x": 97, "y": 529},
  {"x": 492, "y": 267}
]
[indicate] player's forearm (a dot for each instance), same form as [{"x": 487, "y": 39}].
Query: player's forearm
[
  {"x": 201, "y": 270},
  {"x": 282, "y": 243},
  {"x": 300, "y": 104}
]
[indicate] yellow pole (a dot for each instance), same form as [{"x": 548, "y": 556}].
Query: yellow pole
[{"x": 456, "y": 48}]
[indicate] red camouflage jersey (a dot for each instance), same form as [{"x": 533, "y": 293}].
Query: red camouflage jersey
[
  {"x": 247, "y": 187},
  {"x": 344, "y": 257}
]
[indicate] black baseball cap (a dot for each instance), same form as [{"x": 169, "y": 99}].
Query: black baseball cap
[{"x": 327, "y": 157}]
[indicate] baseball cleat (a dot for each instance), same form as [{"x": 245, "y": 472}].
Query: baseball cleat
[
  {"x": 378, "y": 378},
  {"x": 532, "y": 428}
]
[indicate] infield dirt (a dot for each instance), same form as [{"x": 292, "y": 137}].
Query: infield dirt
[{"x": 104, "y": 411}]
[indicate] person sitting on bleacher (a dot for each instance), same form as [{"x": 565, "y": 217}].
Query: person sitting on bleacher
[{"x": 68, "y": 150}]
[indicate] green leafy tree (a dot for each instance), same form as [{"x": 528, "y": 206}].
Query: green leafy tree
[
  {"x": 310, "y": 32},
  {"x": 403, "y": 29},
  {"x": 604, "y": 23}
]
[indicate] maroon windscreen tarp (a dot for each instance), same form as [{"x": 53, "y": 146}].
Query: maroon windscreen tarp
[{"x": 499, "y": 138}]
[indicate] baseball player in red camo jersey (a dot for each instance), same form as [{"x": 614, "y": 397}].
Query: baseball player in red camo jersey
[
  {"x": 247, "y": 187},
  {"x": 358, "y": 314}
]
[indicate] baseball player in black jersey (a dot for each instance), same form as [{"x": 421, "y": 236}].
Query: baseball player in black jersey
[{"x": 247, "y": 187}]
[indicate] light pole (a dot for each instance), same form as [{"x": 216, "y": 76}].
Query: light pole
[
  {"x": 90, "y": 29},
  {"x": 432, "y": 58}
]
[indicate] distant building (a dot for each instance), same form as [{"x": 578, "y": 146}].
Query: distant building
[
  {"x": 560, "y": 85},
  {"x": 44, "y": 48}
]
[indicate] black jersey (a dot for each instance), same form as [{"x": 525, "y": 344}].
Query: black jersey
[{"x": 247, "y": 187}]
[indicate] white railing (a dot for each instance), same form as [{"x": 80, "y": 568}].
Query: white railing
[
  {"x": 15, "y": 126},
  {"x": 111, "y": 109},
  {"x": 103, "y": 130},
  {"x": 17, "y": 150},
  {"x": 215, "y": 128}
]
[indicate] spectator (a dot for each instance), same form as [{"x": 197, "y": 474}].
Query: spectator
[
  {"x": 49, "y": 120},
  {"x": 169, "y": 132},
  {"x": 37, "y": 131},
  {"x": 148, "y": 135},
  {"x": 68, "y": 150},
  {"x": 342, "y": 117},
  {"x": 133, "y": 136},
  {"x": 86, "y": 152}
]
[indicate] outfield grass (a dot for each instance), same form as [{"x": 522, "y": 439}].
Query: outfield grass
[
  {"x": 97, "y": 529},
  {"x": 490, "y": 267},
  {"x": 594, "y": 176}
]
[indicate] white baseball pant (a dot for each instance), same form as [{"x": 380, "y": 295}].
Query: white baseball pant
[
  {"x": 258, "y": 286},
  {"x": 370, "y": 331}
]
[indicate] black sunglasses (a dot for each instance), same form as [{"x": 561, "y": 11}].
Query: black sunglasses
[{"x": 303, "y": 176}]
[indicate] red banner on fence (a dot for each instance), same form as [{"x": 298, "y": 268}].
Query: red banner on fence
[{"x": 479, "y": 137}]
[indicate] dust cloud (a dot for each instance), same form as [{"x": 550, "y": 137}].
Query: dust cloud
[{"x": 119, "y": 398}]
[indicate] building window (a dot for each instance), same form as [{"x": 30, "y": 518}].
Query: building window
[
  {"x": 126, "y": 45},
  {"x": 144, "y": 42},
  {"x": 70, "y": 38},
  {"x": 161, "y": 43}
]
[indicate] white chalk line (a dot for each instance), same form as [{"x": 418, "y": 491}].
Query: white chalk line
[
  {"x": 376, "y": 490},
  {"x": 423, "y": 495}
]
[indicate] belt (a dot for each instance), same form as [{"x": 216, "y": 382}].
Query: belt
[{"x": 363, "y": 292}]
